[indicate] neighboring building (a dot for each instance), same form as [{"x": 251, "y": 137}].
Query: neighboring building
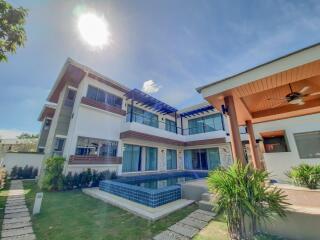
[
  {"x": 18, "y": 145},
  {"x": 91, "y": 122}
]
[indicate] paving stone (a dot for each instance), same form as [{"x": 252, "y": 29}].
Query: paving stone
[
  {"x": 16, "y": 207},
  {"x": 169, "y": 235},
  {"x": 15, "y": 197},
  {"x": 22, "y": 237},
  {"x": 194, "y": 222},
  {"x": 212, "y": 214},
  {"x": 16, "y": 232},
  {"x": 14, "y": 202},
  {"x": 201, "y": 217},
  {"x": 184, "y": 229},
  {"x": 16, "y": 225},
  {"x": 18, "y": 210},
  {"x": 17, "y": 220},
  {"x": 16, "y": 215}
]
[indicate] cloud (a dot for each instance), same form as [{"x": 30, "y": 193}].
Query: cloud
[
  {"x": 11, "y": 133},
  {"x": 150, "y": 86}
]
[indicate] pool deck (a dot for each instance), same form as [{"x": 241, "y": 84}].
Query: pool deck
[{"x": 143, "y": 211}]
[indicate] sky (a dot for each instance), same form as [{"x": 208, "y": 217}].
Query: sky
[{"x": 170, "y": 46}]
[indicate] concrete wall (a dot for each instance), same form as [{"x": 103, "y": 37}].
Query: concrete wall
[
  {"x": 21, "y": 160},
  {"x": 279, "y": 163},
  {"x": 100, "y": 168}
]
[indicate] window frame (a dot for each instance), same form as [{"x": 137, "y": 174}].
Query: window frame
[{"x": 297, "y": 145}]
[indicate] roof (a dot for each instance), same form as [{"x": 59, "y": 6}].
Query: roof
[
  {"x": 47, "y": 111},
  {"x": 72, "y": 73},
  {"x": 199, "y": 89},
  {"x": 149, "y": 101},
  {"x": 197, "y": 111}
]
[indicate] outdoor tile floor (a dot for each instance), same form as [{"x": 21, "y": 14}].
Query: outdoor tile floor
[
  {"x": 188, "y": 227},
  {"x": 17, "y": 223}
]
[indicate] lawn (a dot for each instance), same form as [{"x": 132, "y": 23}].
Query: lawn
[
  {"x": 3, "y": 198},
  {"x": 74, "y": 215}
]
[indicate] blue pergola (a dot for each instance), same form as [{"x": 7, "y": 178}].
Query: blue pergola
[
  {"x": 197, "y": 111},
  {"x": 150, "y": 102}
]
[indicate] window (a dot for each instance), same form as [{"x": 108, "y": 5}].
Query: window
[
  {"x": 47, "y": 124},
  {"x": 58, "y": 146},
  {"x": 102, "y": 96},
  {"x": 96, "y": 147},
  {"x": 202, "y": 159},
  {"x": 131, "y": 161},
  {"x": 141, "y": 116},
  {"x": 171, "y": 159},
  {"x": 170, "y": 125},
  {"x": 275, "y": 144},
  {"x": 308, "y": 144},
  {"x": 151, "y": 159},
  {"x": 205, "y": 124},
  {"x": 70, "y": 97}
]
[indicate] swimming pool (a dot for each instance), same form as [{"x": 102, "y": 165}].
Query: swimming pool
[{"x": 151, "y": 190}]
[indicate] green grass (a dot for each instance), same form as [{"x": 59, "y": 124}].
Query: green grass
[
  {"x": 3, "y": 198},
  {"x": 74, "y": 215}
]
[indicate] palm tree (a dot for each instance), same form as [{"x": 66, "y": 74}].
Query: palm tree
[{"x": 245, "y": 199}]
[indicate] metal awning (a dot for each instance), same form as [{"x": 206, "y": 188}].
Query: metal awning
[
  {"x": 197, "y": 111},
  {"x": 149, "y": 101}
]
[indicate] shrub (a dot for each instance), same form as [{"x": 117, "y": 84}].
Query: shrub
[
  {"x": 305, "y": 175},
  {"x": 34, "y": 173},
  {"x": 75, "y": 180},
  {"x": 241, "y": 193},
  {"x": 3, "y": 177},
  {"x": 14, "y": 172},
  {"x": 19, "y": 172},
  {"x": 95, "y": 179},
  {"x": 68, "y": 181},
  {"x": 53, "y": 176}
]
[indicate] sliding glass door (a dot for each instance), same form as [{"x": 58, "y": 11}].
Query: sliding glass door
[
  {"x": 131, "y": 158},
  {"x": 151, "y": 159},
  {"x": 201, "y": 159},
  {"x": 171, "y": 159}
]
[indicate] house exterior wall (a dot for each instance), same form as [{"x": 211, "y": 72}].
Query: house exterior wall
[{"x": 279, "y": 163}]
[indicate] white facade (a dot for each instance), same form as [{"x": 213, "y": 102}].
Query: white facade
[
  {"x": 90, "y": 121},
  {"x": 278, "y": 163}
]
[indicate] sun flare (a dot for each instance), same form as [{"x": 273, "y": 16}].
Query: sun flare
[{"x": 94, "y": 30}]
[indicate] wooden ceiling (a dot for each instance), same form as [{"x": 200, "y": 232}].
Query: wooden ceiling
[{"x": 263, "y": 99}]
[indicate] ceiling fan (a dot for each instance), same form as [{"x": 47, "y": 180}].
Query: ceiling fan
[{"x": 295, "y": 97}]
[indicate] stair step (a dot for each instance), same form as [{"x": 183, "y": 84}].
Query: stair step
[{"x": 205, "y": 205}]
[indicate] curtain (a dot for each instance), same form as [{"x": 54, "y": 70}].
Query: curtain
[
  {"x": 171, "y": 159},
  {"x": 187, "y": 159},
  {"x": 131, "y": 158},
  {"x": 151, "y": 158},
  {"x": 213, "y": 158}
]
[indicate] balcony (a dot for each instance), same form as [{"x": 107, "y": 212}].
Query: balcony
[{"x": 91, "y": 159}]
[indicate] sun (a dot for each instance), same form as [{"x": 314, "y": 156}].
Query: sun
[{"x": 94, "y": 30}]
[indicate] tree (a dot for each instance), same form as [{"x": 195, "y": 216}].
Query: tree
[
  {"x": 27, "y": 135},
  {"x": 245, "y": 199},
  {"x": 12, "y": 33}
]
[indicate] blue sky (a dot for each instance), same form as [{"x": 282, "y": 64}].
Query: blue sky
[{"x": 179, "y": 44}]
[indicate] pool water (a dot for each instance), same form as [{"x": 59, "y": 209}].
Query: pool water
[{"x": 161, "y": 182}]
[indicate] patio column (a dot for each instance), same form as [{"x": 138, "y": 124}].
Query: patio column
[
  {"x": 237, "y": 149},
  {"x": 253, "y": 145}
]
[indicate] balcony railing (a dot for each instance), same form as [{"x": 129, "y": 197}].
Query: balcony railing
[{"x": 92, "y": 159}]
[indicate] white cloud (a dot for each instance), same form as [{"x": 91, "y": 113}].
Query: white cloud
[
  {"x": 10, "y": 133},
  {"x": 150, "y": 86}
]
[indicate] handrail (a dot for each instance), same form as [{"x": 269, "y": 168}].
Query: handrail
[{"x": 155, "y": 123}]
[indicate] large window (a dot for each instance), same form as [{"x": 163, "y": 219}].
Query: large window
[
  {"x": 97, "y": 147},
  {"x": 205, "y": 124},
  {"x": 171, "y": 126},
  {"x": 201, "y": 159},
  {"x": 308, "y": 144},
  {"x": 171, "y": 159},
  {"x": 131, "y": 161},
  {"x": 151, "y": 159},
  {"x": 104, "y": 97},
  {"x": 141, "y": 116}
]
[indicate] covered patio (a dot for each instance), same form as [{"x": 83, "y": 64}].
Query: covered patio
[{"x": 284, "y": 88}]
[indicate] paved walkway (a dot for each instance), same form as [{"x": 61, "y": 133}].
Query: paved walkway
[
  {"x": 188, "y": 227},
  {"x": 16, "y": 222}
]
